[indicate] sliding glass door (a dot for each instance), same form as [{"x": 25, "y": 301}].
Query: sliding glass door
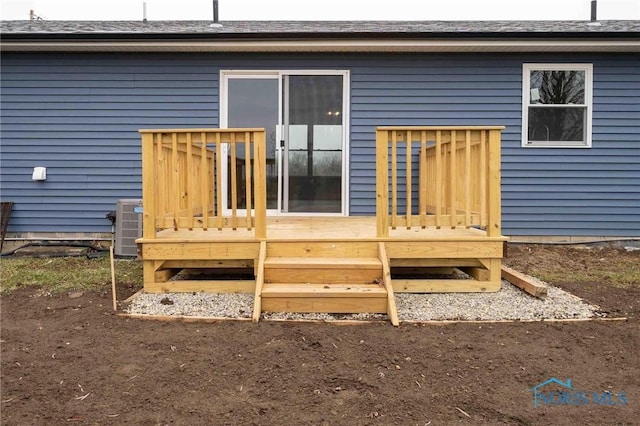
[
  {"x": 252, "y": 101},
  {"x": 305, "y": 118},
  {"x": 313, "y": 135}
]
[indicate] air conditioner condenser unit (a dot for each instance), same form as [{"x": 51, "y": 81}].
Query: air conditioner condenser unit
[{"x": 128, "y": 226}]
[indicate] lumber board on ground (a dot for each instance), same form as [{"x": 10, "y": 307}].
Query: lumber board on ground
[{"x": 524, "y": 282}]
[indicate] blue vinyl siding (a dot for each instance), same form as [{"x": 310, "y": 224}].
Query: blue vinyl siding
[
  {"x": 584, "y": 191},
  {"x": 78, "y": 115}
]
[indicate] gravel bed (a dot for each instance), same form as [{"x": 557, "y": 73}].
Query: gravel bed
[
  {"x": 510, "y": 303},
  {"x": 217, "y": 305}
]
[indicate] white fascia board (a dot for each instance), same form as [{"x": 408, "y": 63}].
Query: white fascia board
[{"x": 542, "y": 45}]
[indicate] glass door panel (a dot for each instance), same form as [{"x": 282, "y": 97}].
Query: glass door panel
[
  {"x": 313, "y": 143},
  {"x": 254, "y": 102}
]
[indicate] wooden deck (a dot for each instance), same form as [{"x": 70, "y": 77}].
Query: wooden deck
[
  {"x": 324, "y": 264},
  {"x": 450, "y": 243}
]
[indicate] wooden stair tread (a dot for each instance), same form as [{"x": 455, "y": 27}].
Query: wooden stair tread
[
  {"x": 323, "y": 262},
  {"x": 322, "y": 290}
]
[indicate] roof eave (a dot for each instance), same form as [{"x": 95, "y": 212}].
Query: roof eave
[{"x": 331, "y": 45}]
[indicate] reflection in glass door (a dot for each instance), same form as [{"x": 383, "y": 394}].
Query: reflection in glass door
[
  {"x": 253, "y": 102},
  {"x": 304, "y": 116},
  {"x": 313, "y": 137}
]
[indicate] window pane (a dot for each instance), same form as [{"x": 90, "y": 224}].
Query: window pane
[
  {"x": 327, "y": 163},
  {"x": 298, "y": 163},
  {"x": 315, "y": 99},
  {"x": 253, "y": 102},
  {"x": 557, "y": 124},
  {"x": 327, "y": 137},
  {"x": 557, "y": 87},
  {"x": 298, "y": 136}
]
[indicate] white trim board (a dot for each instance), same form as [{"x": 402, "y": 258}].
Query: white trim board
[{"x": 373, "y": 45}]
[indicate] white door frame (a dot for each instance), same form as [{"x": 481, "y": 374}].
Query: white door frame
[{"x": 273, "y": 74}]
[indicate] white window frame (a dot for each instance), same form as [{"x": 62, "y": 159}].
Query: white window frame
[{"x": 588, "y": 98}]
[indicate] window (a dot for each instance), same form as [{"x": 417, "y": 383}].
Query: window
[{"x": 556, "y": 105}]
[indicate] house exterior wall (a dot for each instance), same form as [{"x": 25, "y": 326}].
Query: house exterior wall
[{"x": 78, "y": 115}]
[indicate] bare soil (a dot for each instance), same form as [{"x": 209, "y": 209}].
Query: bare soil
[{"x": 68, "y": 359}]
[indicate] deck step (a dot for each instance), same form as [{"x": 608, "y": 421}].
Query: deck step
[
  {"x": 322, "y": 290},
  {"x": 323, "y": 262},
  {"x": 327, "y": 298},
  {"x": 322, "y": 270},
  {"x": 322, "y": 249}
]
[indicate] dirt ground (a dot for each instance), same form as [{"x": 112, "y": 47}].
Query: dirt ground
[{"x": 67, "y": 359}]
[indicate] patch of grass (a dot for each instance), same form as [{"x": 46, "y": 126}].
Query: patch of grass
[
  {"x": 624, "y": 278},
  {"x": 60, "y": 274},
  {"x": 609, "y": 265}
]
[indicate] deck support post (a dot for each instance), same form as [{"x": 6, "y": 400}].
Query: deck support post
[
  {"x": 494, "y": 228},
  {"x": 382, "y": 184},
  {"x": 260, "y": 184},
  {"x": 150, "y": 269},
  {"x": 495, "y": 270},
  {"x": 149, "y": 189}
]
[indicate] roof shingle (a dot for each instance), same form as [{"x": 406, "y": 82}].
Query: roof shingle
[{"x": 312, "y": 28}]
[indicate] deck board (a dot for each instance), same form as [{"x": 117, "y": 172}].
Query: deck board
[{"x": 316, "y": 228}]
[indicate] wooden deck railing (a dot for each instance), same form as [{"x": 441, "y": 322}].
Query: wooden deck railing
[
  {"x": 457, "y": 169},
  {"x": 182, "y": 178}
]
